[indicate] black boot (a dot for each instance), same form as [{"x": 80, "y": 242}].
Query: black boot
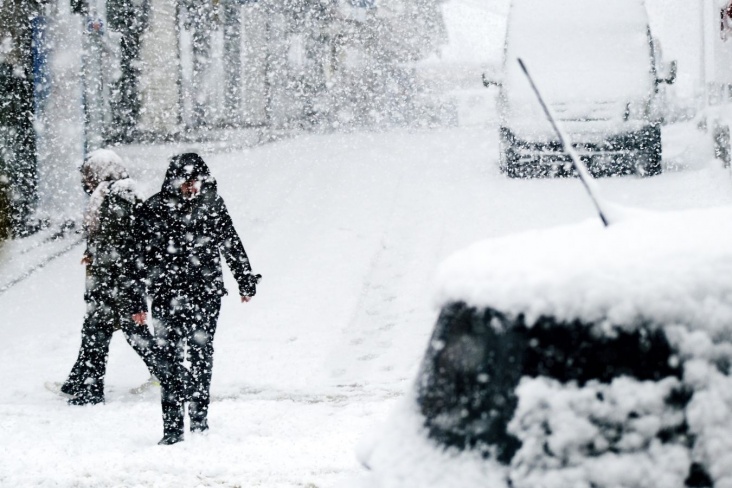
[
  {"x": 199, "y": 417},
  {"x": 70, "y": 388},
  {"x": 170, "y": 439},
  {"x": 199, "y": 425},
  {"x": 88, "y": 394},
  {"x": 172, "y": 423},
  {"x": 82, "y": 399}
]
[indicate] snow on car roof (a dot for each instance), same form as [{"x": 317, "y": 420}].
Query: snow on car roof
[
  {"x": 661, "y": 268},
  {"x": 590, "y": 12},
  {"x": 580, "y": 50}
]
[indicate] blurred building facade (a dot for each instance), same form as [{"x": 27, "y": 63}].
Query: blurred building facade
[
  {"x": 76, "y": 75},
  {"x": 21, "y": 76},
  {"x": 208, "y": 64}
]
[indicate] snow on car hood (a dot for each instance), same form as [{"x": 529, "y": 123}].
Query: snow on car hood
[{"x": 672, "y": 268}]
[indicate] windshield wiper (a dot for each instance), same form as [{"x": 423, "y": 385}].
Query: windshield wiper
[{"x": 579, "y": 166}]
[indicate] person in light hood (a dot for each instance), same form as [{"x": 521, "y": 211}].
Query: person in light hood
[
  {"x": 110, "y": 268},
  {"x": 184, "y": 230}
]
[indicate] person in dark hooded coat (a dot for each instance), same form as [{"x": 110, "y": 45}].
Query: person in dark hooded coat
[
  {"x": 184, "y": 230},
  {"x": 110, "y": 270}
]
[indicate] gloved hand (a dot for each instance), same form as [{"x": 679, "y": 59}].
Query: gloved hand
[{"x": 249, "y": 287}]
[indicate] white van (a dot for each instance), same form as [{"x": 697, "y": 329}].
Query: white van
[{"x": 594, "y": 63}]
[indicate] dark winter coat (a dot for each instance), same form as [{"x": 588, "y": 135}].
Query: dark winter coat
[
  {"x": 182, "y": 240},
  {"x": 111, "y": 247}
]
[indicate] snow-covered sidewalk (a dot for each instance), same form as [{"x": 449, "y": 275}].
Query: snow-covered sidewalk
[
  {"x": 347, "y": 231},
  {"x": 22, "y": 258}
]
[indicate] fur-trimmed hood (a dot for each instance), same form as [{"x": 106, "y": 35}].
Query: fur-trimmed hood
[{"x": 105, "y": 167}]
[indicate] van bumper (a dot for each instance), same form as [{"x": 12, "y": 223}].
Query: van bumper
[{"x": 621, "y": 154}]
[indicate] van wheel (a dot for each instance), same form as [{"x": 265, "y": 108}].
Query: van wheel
[{"x": 650, "y": 154}]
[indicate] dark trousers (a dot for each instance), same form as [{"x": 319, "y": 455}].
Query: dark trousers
[
  {"x": 186, "y": 321},
  {"x": 86, "y": 379}
]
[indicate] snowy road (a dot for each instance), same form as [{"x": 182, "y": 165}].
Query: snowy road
[{"x": 347, "y": 231}]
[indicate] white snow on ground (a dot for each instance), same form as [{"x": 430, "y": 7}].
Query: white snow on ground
[
  {"x": 348, "y": 231},
  {"x": 404, "y": 458}
]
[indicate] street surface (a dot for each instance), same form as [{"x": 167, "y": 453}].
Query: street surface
[{"x": 347, "y": 231}]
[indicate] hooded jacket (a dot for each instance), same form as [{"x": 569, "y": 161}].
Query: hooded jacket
[
  {"x": 109, "y": 228},
  {"x": 182, "y": 240}
]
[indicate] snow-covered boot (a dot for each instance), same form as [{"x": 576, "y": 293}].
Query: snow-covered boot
[
  {"x": 69, "y": 388},
  {"x": 199, "y": 424},
  {"x": 172, "y": 423},
  {"x": 89, "y": 394},
  {"x": 85, "y": 400},
  {"x": 170, "y": 439},
  {"x": 199, "y": 416},
  {"x": 58, "y": 388},
  {"x": 149, "y": 384}
]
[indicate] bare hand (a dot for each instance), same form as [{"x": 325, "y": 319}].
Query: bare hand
[
  {"x": 245, "y": 299},
  {"x": 140, "y": 318},
  {"x": 86, "y": 260}
]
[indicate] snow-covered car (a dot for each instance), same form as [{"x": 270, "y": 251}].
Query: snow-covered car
[
  {"x": 579, "y": 356},
  {"x": 594, "y": 62}
]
